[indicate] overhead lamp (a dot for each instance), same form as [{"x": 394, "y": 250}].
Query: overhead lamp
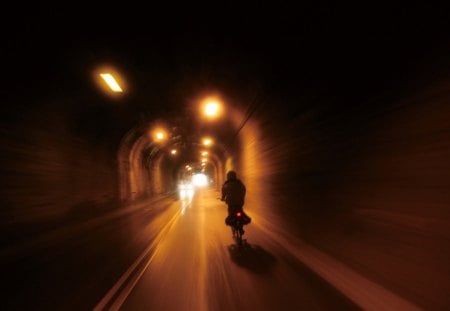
[
  {"x": 111, "y": 82},
  {"x": 207, "y": 141}
]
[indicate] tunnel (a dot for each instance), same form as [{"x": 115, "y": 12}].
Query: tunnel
[{"x": 339, "y": 132}]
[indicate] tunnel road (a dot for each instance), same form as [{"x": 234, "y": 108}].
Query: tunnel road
[{"x": 195, "y": 265}]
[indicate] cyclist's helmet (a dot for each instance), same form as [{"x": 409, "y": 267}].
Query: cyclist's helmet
[{"x": 231, "y": 175}]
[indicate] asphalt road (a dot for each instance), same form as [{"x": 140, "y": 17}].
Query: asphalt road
[
  {"x": 194, "y": 264},
  {"x": 168, "y": 254}
]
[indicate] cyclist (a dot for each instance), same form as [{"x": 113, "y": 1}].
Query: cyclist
[{"x": 233, "y": 193}]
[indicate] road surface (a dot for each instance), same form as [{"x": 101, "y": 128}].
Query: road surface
[{"x": 193, "y": 264}]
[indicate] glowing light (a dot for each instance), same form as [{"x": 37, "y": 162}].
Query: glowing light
[
  {"x": 204, "y": 153},
  {"x": 159, "y": 135},
  {"x": 204, "y": 160},
  {"x": 199, "y": 180},
  {"x": 207, "y": 141},
  {"x": 174, "y": 151},
  {"x": 186, "y": 191},
  {"x": 111, "y": 82},
  {"x": 212, "y": 108}
]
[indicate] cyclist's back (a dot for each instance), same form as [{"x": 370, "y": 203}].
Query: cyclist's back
[{"x": 233, "y": 191}]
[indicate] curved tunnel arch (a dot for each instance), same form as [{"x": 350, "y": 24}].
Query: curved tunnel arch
[
  {"x": 143, "y": 174},
  {"x": 350, "y": 150}
]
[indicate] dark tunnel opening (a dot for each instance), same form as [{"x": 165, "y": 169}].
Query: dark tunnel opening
[{"x": 349, "y": 151}]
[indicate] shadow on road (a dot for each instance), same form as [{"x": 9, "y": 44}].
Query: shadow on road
[{"x": 252, "y": 257}]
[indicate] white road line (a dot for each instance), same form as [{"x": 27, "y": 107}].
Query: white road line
[
  {"x": 113, "y": 291},
  {"x": 126, "y": 292}
]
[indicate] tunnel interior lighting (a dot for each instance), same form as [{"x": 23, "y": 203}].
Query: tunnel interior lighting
[
  {"x": 211, "y": 108},
  {"x": 173, "y": 151},
  {"x": 186, "y": 190},
  {"x": 111, "y": 82},
  {"x": 207, "y": 141},
  {"x": 199, "y": 180},
  {"x": 204, "y": 153},
  {"x": 159, "y": 135}
]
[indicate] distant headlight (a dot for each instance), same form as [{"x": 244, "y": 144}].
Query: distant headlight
[
  {"x": 200, "y": 180},
  {"x": 185, "y": 186}
]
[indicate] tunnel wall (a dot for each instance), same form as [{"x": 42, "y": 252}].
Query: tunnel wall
[
  {"x": 366, "y": 182},
  {"x": 160, "y": 177},
  {"x": 50, "y": 172},
  {"x": 144, "y": 168},
  {"x": 134, "y": 169},
  {"x": 60, "y": 164}
]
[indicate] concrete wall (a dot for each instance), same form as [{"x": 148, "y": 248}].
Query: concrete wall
[
  {"x": 366, "y": 182},
  {"x": 50, "y": 172}
]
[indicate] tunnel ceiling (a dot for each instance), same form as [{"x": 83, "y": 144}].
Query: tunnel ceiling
[
  {"x": 319, "y": 53},
  {"x": 346, "y": 144}
]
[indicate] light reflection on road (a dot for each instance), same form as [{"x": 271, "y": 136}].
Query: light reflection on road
[
  {"x": 186, "y": 193},
  {"x": 195, "y": 265},
  {"x": 186, "y": 201}
]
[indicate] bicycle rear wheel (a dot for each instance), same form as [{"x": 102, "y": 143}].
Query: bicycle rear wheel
[{"x": 237, "y": 233}]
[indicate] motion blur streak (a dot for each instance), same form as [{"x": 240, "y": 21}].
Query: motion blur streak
[
  {"x": 379, "y": 206},
  {"x": 118, "y": 302},
  {"x": 337, "y": 123},
  {"x": 196, "y": 266}
]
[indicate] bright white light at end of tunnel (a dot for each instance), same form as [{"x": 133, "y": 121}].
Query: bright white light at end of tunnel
[
  {"x": 200, "y": 180},
  {"x": 111, "y": 82}
]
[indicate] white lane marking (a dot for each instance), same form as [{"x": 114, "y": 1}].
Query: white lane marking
[
  {"x": 126, "y": 292},
  {"x": 113, "y": 291}
]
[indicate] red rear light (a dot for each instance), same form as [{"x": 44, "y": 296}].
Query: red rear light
[{"x": 238, "y": 214}]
